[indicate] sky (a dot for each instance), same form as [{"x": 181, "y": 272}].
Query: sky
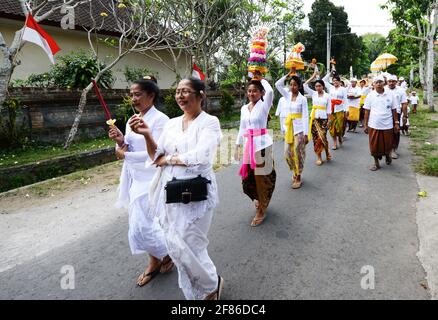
[{"x": 363, "y": 15}]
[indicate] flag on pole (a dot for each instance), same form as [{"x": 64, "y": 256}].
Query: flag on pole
[
  {"x": 197, "y": 72},
  {"x": 35, "y": 34}
]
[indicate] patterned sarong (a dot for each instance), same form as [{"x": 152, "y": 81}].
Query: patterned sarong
[
  {"x": 337, "y": 124},
  {"x": 295, "y": 154},
  {"x": 319, "y": 135}
]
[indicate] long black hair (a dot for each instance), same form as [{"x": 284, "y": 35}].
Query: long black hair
[{"x": 149, "y": 86}]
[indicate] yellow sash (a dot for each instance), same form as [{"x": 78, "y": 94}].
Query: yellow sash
[
  {"x": 362, "y": 100},
  {"x": 289, "y": 122},
  {"x": 312, "y": 117}
]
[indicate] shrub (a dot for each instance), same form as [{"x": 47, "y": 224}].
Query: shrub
[
  {"x": 172, "y": 108},
  {"x": 131, "y": 74},
  {"x": 11, "y": 135},
  {"x": 74, "y": 70},
  {"x": 227, "y": 103}
]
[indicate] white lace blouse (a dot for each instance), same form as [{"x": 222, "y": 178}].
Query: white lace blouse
[
  {"x": 257, "y": 118},
  {"x": 196, "y": 148},
  {"x": 317, "y": 100},
  {"x": 300, "y": 105},
  {"x": 336, "y": 93}
]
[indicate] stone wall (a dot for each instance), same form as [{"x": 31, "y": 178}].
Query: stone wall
[{"x": 48, "y": 114}]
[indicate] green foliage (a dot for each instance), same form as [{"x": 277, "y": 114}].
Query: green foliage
[
  {"x": 11, "y": 135},
  {"x": 172, "y": 107},
  {"x": 375, "y": 45},
  {"x": 347, "y": 47},
  {"x": 31, "y": 152},
  {"x": 125, "y": 110},
  {"x": 282, "y": 17},
  {"x": 73, "y": 70},
  {"x": 423, "y": 130},
  {"x": 405, "y": 14},
  {"x": 227, "y": 103},
  {"x": 132, "y": 74}
]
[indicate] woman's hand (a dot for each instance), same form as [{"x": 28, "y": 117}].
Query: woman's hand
[
  {"x": 116, "y": 135},
  {"x": 161, "y": 161},
  {"x": 138, "y": 125},
  {"x": 120, "y": 152}
]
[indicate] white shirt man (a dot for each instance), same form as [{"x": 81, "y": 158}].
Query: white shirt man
[{"x": 381, "y": 121}]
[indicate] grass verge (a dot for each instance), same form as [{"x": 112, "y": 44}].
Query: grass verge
[{"x": 424, "y": 139}]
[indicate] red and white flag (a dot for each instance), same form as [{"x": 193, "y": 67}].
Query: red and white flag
[
  {"x": 35, "y": 34},
  {"x": 197, "y": 73}
]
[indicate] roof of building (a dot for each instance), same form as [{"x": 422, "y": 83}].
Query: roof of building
[{"x": 11, "y": 9}]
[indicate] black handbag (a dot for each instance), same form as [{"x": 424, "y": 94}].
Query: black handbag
[{"x": 186, "y": 190}]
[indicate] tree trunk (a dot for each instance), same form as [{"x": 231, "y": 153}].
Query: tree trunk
[
  {"x": 421, "y": 70},
  {"x": 83, "y": 101},
  {"x": 8, "y": 66},
  {"x": 430, "y": 65},
  {"x": 81, "y": 107},
  {"x": 5, "y": 76}
]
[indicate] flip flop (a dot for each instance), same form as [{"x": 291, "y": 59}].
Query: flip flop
[
  {"x": 149, "y": 276},
  {"x": 257, "y": 221},
  {"x": 374, "y": 168}
]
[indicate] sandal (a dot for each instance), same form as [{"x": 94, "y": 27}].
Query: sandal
[
  {"x": 257, "y": 221},
  {"x": 329, "y": 157},
  {"x": 166, "y": 265},
  {"x": 375, "y": 168},
  {"x": 318, "y": 162},
  {"x": 145, "y": 278}
]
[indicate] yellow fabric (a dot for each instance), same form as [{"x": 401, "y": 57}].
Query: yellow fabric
[
  {"x": 289, "y": 122},
  {"x": 353, "y": 114},
  {"x": 312, "y": 117},
  {"x": 362, "y": 100},
  {"x": 290, "y": 136}
]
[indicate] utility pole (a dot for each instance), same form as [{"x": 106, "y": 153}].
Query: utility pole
[
  {"x": 329, "y": 38},
  {"x": 284, "y": 43}
]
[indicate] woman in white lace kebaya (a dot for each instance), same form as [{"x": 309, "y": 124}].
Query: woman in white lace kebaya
[
  {"x": 185, "y": 150},
  {"x": 145, "y": 234}
]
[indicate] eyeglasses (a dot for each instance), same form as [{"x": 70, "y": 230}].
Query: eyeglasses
[{"x": 184, "y": 92}]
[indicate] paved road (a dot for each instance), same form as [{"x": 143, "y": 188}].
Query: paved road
[{"x": 312, "y": 246}]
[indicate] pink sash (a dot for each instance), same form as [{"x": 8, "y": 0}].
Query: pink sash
[{"x": 249, "y": 150}]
